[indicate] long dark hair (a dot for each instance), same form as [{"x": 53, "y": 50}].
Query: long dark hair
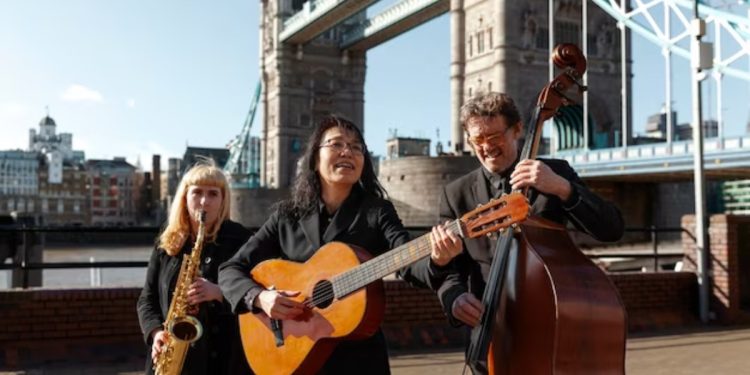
[{"x": 306, "y": 189}]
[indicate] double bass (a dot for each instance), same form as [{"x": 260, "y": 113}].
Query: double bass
[{"x": 547, "y": 308}]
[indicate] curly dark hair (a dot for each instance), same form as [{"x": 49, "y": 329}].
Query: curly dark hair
[{"x": 306, "y": 190}]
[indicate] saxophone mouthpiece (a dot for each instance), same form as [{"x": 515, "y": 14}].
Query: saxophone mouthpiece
[{"x": 202, "y": 216}]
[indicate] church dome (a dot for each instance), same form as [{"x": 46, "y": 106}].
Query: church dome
[{"x": 47, "y": 121}]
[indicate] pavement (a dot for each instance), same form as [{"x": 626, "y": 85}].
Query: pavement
[{"x": 713, "y": 351}]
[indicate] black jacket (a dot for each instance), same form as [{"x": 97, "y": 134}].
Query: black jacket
[
  {"x": 219, "y": 350},
  {"x": 362, "y": 220},
  {"x": 584, "y": 209}
]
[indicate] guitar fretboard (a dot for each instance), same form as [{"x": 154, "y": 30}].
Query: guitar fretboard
[{"x": 387, "y": 263}]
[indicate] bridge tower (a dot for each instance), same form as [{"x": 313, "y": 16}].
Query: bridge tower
[
  {"x": 503, "y": 45},
  {"x": 301, "y": 83}
]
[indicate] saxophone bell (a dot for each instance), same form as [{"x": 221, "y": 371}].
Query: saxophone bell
[{"x": 185, "y": 328}]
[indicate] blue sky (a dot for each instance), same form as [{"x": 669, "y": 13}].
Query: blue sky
[{"x": 132, "y": 78}]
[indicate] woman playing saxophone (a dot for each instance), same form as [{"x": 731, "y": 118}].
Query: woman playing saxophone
[{"x": 203, "y": 188}]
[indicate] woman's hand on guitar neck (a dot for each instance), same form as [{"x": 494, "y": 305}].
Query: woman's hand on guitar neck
[
  {"x": 536, "y": 174},
  {"x": 467, "y": 309},
  {"x": 278, "y": 305},
  {"x": 445, "y": 245}
]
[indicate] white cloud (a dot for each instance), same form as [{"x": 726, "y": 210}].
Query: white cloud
[
  {"x": 80, "y": 93},
  {"x": 130, "y": 103}
]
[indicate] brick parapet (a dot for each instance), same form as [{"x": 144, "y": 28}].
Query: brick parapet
[
  {"x": 42, "y": 326},
  {"x": 725, "y": 233}
]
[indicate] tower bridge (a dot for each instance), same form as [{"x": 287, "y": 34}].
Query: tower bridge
[
  {"x": 313, "y": 62},
  {"x": 724, "y": 158}
]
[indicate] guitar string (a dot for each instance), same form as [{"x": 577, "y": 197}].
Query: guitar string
[{"x": 358, "y": 277}]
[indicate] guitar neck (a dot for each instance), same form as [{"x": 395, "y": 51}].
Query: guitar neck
[{"x": 387, "y": 263}]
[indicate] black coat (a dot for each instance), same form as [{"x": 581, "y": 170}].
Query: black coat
[
  {"x": 584, "y": 209},
  {"x": 362, "y": 220},
  {"x": 219, "y": 350}
]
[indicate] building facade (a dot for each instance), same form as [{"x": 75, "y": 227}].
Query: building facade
[
  {"x": 65, "y": 202},
  {"x": 398, "y": 147},
  {"x": 19, "y": 185},
  {"x": 501, "y": 45},
  {"x": 112, "y": 190}
]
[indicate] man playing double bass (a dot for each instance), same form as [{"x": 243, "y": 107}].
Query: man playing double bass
[{"x": 494, "y": 129}]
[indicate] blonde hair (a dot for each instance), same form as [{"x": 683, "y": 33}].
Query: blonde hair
[{"x": 177, "y": 229}]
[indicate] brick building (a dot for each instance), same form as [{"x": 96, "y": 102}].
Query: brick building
[{"x": 112, "y": 191}]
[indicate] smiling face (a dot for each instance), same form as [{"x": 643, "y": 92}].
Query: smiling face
[
  {"x": 340, "y": 158},
  {"x": 494, "y": 141}
]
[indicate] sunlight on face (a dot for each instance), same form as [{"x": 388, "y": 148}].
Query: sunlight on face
[
  {"x": 340, "y": 157},
  {"x": 495, "y": 143}
]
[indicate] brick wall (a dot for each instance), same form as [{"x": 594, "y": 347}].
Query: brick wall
[
  {"x": 658, "y": 300},
  {"x": 100, "y": 325},
  {"x": 729, "y": 245},
  {"x": 48, "y": 326},
  {"x": 414, "y": 319}
]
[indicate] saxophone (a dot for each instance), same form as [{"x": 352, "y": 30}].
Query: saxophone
[{"x": 182, "y": 329}]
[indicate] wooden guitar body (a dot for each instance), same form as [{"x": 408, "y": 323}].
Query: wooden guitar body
[{"x": 309, "y": 340}]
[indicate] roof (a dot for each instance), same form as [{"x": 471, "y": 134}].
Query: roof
[
  {"x": 108, "y": 164},
  {"x": 46, "y": 120}
]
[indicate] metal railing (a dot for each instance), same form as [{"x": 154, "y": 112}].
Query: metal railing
[
  {"x": 22, "y": 246},
  {"x": 654, "y": 234},
  {"x": 24, "y": 265}
]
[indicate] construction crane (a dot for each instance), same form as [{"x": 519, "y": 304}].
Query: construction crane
[{"x": 243, "y": 165}]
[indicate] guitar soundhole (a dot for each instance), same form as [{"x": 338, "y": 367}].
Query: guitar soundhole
[{"x": 323, "y": 294}]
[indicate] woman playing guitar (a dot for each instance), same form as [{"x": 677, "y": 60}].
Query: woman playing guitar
[{"x": 336, "y": 198}]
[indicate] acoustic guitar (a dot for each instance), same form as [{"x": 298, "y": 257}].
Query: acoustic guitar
[{"x": 342, "y": 287}]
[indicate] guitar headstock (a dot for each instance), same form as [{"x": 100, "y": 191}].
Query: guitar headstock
[{"x": 498, "y": 214}]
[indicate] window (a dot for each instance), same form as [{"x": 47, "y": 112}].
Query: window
[
  {"x": 60, "y": 206},
  {"x": 567, "y": 32},
  {"x": 542, "y": 38},
  {"x": 469, "y": 44},
  {"x": 489, "y": 37},
  {"x": 480, "y": 42}
]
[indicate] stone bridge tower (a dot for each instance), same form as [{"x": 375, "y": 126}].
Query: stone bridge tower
[
  {"x": 503, "y": 45},
  {"x": 302, "y": 83}
]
